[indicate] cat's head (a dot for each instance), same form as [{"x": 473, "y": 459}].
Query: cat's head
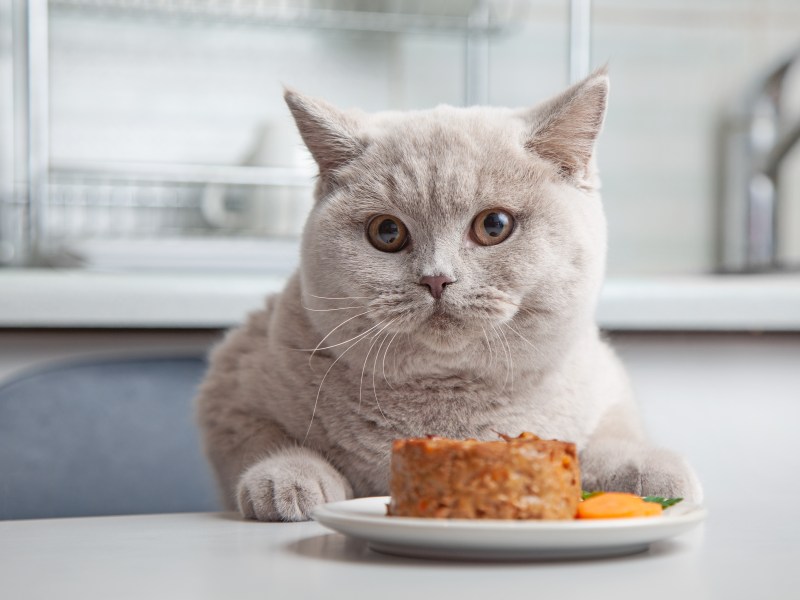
[{"x": 452, "y": 222}]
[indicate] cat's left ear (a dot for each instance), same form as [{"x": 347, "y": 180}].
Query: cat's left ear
[
  {"x": 331, "y": 135},
  {"x": 564, "y": 129}
]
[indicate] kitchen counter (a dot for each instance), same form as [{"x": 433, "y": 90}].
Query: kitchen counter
[
  {"x": 84, "y": 299},
  {"x": 209, "y": 555}
]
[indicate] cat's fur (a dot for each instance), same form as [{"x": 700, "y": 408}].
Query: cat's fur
[{"x": 511, "y": 346}]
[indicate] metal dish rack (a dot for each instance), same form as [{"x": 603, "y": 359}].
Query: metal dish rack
[{"x": 58, "y": 205}]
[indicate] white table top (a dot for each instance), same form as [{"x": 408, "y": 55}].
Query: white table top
[{"x": 202, "y": 556}]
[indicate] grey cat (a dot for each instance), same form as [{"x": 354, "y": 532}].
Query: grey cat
[{"x": 449, "y": 274}]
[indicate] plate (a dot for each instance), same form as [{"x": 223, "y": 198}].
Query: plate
[{"x": 366, "y": 519}]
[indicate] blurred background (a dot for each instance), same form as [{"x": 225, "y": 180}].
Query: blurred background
[
  {"x": 124, "y": 124},
  {"x": 153, "y": 187}
]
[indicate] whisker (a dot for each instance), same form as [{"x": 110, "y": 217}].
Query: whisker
[
  {"x": 478, "y": 376},
  {"x": 394, "y": 357},
  {"x": 363, "y": 368},
  {"x": 537, "y": 349},
  {"x": 383, "y": 364},
  {"x": 329, "y": 334},
  {"x": 360, "y": 335},
  {"x": 489, "y": 349},
  {"x": 508, "y": 357},
  {"x": 338, "y": 297},
  {"x": 510, "y": 360},
  {"x": 524, "y": 339},
  {"x": 331, "y": 309},
  {"x": 536, "y": 314},
  {"x": 374, "y": 368},
  {"x": 525, "y": 309},
  {"x": 340, "y": 343},
  {"x": 316, "y": 400}
]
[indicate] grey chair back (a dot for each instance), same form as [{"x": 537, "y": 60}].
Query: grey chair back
[{"x": 103, "y": 438}]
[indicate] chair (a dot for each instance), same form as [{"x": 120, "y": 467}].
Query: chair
[{"x": 103, "y": 438}]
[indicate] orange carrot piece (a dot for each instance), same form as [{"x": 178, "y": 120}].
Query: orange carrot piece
[{"x": 617, "y": 505}]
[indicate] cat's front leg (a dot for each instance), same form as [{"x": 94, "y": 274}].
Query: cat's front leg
[
  {"x": 618, "y": 458},
  {"x": 288, "y": 484},
  {"x": 620, "y": 465}
]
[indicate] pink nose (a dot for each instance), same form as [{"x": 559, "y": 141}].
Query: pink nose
[{"x": 435, "y": 284}]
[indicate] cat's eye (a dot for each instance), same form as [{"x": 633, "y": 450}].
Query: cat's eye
[
  {"x": 492, "y": 226},
  {"x": 387, "y": 233}
]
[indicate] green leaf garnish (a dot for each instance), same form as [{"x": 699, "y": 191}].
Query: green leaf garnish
[
  {"x": 664, "y": 502},
  {"x": 586, "y": 495}
]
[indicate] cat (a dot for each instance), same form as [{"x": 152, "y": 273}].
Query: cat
[{"x": 449, "y": 274}]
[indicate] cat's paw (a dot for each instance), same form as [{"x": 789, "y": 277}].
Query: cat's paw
[
  {"x": 641, "y": 470},
  {"x": 288, "y": 485}
]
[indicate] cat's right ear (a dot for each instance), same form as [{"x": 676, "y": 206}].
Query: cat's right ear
[{"x": 331, "y": 135}]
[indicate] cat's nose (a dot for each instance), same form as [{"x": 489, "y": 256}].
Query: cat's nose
[{"x": 436, "y": 284}]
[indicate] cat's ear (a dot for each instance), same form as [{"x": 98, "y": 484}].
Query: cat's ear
[
  {"x": 331, "y": 135},
  {"x": 564, "y": 129}
]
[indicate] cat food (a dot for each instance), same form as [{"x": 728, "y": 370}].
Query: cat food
[{"x": 514, "y": 478}]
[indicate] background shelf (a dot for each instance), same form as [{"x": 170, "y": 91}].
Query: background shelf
[
  {"x": 397, "y": 16},
  {"x": 64, "y": 201}
]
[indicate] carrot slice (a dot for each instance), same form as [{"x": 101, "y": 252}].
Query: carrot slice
[{"x": 617, "y": 505}]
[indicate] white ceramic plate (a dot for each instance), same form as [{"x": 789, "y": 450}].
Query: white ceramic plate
[{"x": 365, "y": 519}]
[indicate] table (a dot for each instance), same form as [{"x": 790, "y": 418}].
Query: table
[
  {"x": 729, "y": 404},
  {"x": 218, "y": 555}
]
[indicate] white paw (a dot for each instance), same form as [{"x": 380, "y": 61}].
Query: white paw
[
  {"x": 288, "y": 485},
  {"x": 640, "y": 470}
]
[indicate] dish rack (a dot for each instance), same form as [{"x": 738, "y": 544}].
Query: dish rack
[{"x": 58, "y": 211}]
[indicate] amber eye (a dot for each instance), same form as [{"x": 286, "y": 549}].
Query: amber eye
[
  {"x": 387, "y": 233},
  {"x": 492, "y": 227}
]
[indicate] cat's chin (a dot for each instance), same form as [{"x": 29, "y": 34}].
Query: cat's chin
[
  {"x": 445, "y": 331},
  {"x": 441, "y": 320},
  {"x": 445, "y": 341}
]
